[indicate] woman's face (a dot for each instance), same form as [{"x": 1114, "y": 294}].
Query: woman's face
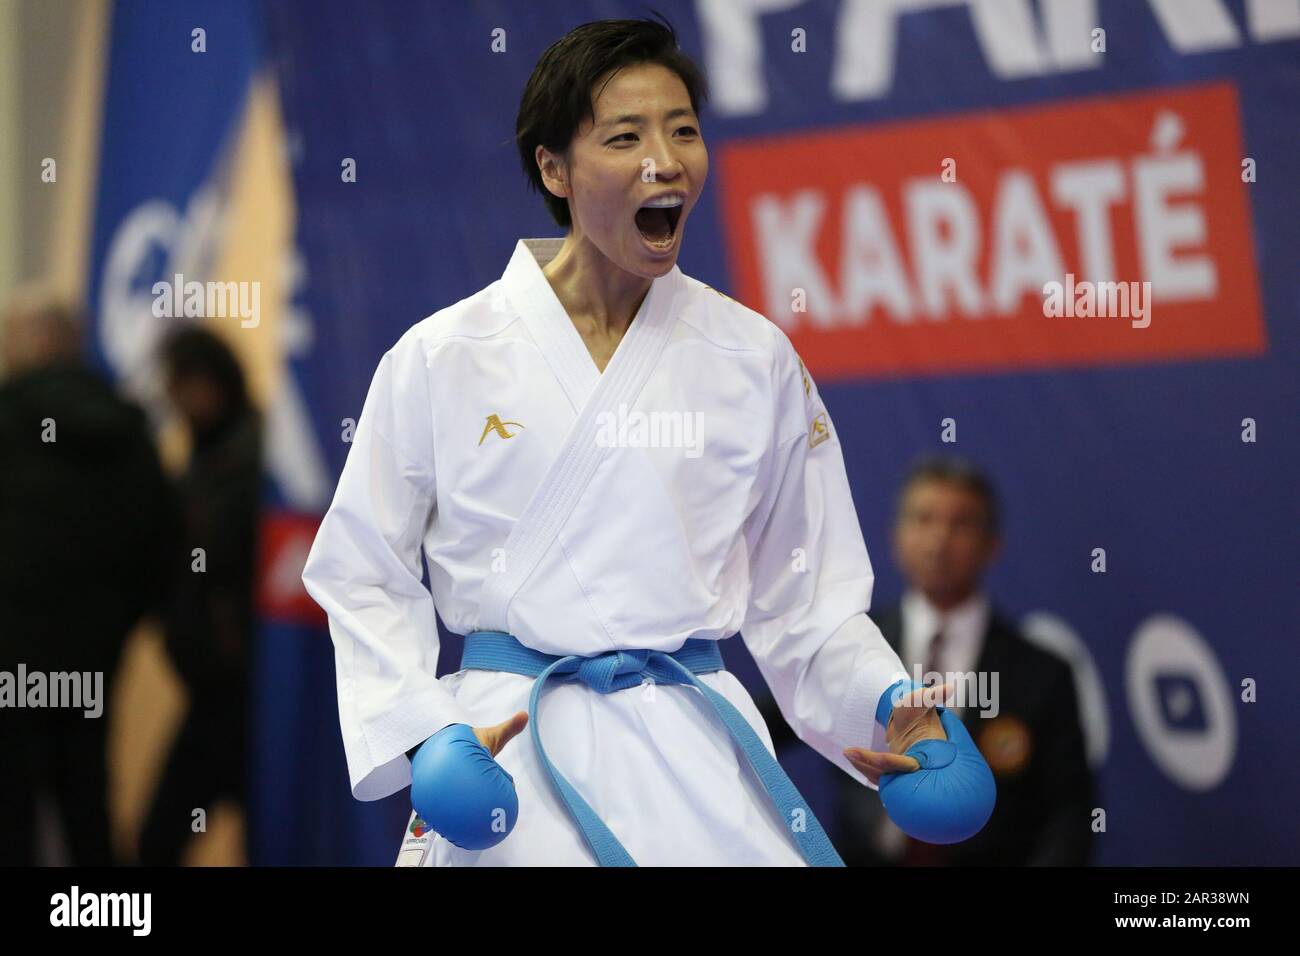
[{"x": 643, "y": 145}]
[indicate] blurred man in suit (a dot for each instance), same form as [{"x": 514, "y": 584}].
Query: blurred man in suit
[
  {"x": 209, "y": 621},
  {"x": 946, "y": 535},
  {"x": 85, "y": 529}
]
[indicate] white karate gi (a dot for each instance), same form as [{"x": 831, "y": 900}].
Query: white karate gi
[{"x": 752, "y": 531}]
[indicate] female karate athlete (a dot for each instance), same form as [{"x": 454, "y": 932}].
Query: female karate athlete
[{"x": 611, "y": 467}]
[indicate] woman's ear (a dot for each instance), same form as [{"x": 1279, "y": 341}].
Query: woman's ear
[{"x": 554, "y": 172}]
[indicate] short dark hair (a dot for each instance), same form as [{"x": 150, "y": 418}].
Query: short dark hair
[
  {"x": 956, "y": 471},
  {"x": 195, "y": 352},
  {"x": 558, "y": 95}
]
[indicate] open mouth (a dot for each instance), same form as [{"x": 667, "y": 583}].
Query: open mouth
[{"x": 657, "y": 221}]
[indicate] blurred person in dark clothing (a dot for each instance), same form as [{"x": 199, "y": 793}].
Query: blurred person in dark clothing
[
  {"x": 209, "y": 621},
  {"x": 84, "y": 525},
  {"x": 946, "y": 534}
]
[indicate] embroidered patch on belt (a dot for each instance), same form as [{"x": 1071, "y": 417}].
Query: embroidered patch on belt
[
  {"x": 419, "y": 838},
  {"x": 818, "y": 431}
]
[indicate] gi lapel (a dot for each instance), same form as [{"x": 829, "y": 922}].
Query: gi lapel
[
  {"x": 532, "y": 297},
  {"x": 591, "y": 392}
]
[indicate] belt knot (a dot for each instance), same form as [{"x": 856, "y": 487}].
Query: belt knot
[{"x": 613, "y": 670}]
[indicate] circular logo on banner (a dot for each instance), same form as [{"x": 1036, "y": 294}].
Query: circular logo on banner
[
  {"x": 1006, "y": 743},
  {"x": 1181, "y": 703}
]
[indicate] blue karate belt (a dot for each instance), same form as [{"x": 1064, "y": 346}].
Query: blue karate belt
[{"x": 619, "y": 670}]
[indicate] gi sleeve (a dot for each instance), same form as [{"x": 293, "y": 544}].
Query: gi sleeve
[
  {"x": 364, "y": 570},
  {"x": 806, "y": 625}
]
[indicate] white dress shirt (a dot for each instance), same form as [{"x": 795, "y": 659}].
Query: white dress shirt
[{"x": 963, "y": 632}]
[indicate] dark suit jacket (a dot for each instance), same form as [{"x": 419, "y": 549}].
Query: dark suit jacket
[
  {"x": 1034, "y": 746},
  {"x": 85, "y": 521}
]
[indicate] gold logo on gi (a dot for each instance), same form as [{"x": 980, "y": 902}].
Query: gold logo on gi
[
  {"x": 818, "y": 431},
  {"x": 723, "y": 294},
  {"x": 495, "y": 424}
]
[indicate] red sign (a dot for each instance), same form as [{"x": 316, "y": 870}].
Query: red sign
[
  {"x": 1093, "y": 232},
  {"x": 286, "y": 539}
]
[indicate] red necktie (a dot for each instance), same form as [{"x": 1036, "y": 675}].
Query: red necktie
[{"x": 933, "y": 656}]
